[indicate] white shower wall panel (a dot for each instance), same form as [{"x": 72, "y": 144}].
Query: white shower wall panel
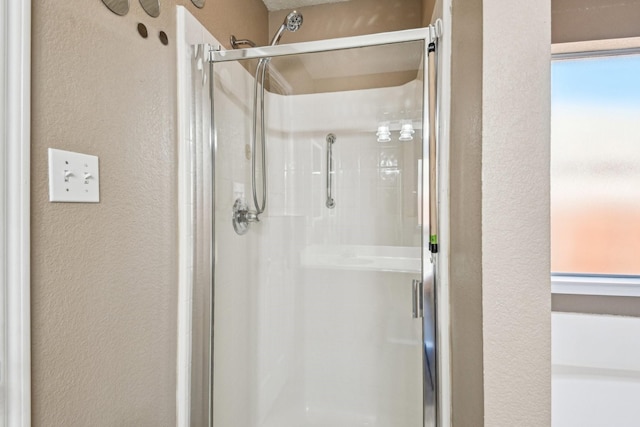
[
  {"x": 234, "y": 330},
  {"x": 375, "y": 185},
  {"x": 256, "y": 294},
  {"x": 352, "y": 325}
]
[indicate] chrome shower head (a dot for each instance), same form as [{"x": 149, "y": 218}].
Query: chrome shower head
[{"x": 292, "y": 23}]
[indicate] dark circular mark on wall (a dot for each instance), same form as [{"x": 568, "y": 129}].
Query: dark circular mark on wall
[
  {"x": 142, "y": 30},
  {"x": 163, "y": 38}
]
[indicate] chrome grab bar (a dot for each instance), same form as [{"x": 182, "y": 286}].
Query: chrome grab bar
[{"x": 331, "y": 139}]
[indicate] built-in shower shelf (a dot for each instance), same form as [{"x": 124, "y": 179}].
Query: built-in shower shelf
[{"x": 398, "y": 259}]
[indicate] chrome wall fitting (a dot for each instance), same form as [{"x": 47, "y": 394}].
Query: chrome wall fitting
[
  {"x": 238, "y": 43},
  {"x": 119, "y": 7},
  {"x": 242, "y": 216},
  {"x": 198, "y": 3}
]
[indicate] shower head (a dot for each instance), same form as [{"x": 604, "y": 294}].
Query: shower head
[{"x": 292, "y": 23}]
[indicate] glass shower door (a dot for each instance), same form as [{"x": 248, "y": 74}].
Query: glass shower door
[{"x": 317, "y": 310}]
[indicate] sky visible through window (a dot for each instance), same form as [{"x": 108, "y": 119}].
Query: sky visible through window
[
  {"x": 613, "y": 81},
  {"x": 595, "y": 165}
]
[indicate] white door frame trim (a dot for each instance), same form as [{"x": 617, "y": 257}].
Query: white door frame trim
[{"x": 15, "y": 78}]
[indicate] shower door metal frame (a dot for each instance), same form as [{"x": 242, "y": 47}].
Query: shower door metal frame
[{"x": 427, "y": 35}]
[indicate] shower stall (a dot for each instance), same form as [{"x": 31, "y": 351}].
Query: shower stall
[{"x": 321, "y": 311}]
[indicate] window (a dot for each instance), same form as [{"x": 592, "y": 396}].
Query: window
[
  {"x": 595, "y": 237},
  {"x": 595, "y": 165}
]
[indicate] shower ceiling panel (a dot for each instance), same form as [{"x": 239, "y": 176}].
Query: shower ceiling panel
[{"x": 274, "y": 5}]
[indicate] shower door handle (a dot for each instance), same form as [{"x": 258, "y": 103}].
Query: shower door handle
[
  {"x": 331, "y": 139},
  {"x": 417, "y": 299}
]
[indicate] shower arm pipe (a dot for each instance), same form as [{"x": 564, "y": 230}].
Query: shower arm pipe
[
  {"x": 428, "y": 34},
  {"x": 235, "y": 43}
]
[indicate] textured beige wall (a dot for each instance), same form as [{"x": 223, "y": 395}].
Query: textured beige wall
[
  {"x": 580, "y": 20},
  {"x": 516, "y": 293},
  {"x": 428, "y": 8},
  {"x": 246, "y": 19},
  {"x": 104, "y": 276},
  {"x": 466, "y": 214},
  {"x": 500, "y": 293}
]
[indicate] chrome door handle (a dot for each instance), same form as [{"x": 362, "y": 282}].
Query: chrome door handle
[{"x": 417, "y": 300}]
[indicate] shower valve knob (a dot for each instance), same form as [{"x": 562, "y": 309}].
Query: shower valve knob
[{"x": 242, "y": 216}]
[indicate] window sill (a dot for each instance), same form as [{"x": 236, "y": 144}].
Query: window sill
[{"x": 617, "y": 286}]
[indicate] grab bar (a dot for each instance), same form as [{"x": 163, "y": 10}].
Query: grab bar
[{"x": 331, "y": 138}]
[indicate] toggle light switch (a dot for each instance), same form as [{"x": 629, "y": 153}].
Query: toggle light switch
[{"x": 73, "y": 177}]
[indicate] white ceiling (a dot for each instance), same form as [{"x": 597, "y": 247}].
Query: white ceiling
[{"x": 292, "y": 4}]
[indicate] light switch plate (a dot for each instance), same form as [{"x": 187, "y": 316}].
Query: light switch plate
[{"x": 73, "y": 177}]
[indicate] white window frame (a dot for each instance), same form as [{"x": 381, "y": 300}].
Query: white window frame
[
  {"x": 15, "y": 83},
  {"x": 595, "y": 285},
  {"x": 600, "y": 285}
]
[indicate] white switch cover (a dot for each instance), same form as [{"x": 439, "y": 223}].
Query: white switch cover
[{"x": 73, "y": 177}]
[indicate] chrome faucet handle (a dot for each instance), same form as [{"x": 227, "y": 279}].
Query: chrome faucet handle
[{"x": 242, "y": 216}]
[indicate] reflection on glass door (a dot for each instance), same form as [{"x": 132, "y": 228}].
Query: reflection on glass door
[{"x": 315, "y": 315}]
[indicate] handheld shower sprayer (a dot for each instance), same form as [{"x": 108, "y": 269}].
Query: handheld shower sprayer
[
  {"x": 242, "y": 215},
  {"x": 292, "y": 22}
]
